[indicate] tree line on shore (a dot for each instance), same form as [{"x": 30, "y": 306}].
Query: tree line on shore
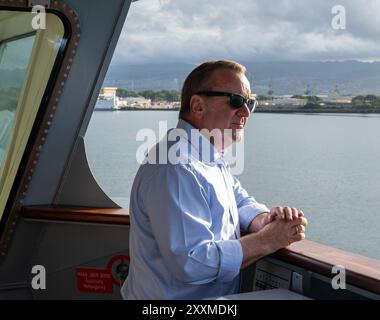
[
  {"x": 155, "y": 96},
  {"x": 360, "y": 101}
]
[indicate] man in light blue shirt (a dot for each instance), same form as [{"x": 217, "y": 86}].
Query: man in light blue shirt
[{"x": 188, "y": 211}]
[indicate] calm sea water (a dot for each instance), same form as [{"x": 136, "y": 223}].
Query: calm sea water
[{"x": 327, "y": 165}]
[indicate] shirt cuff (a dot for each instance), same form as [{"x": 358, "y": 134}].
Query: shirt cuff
[
  {"x": 231, "y": 258},
  {"x": 248, "y": 213}
]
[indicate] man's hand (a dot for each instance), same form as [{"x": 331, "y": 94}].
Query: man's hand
[
  {"x": 274, "y": 236},
  {"x": 281, "y": 233},
  {"x": 285, "y": 213}
]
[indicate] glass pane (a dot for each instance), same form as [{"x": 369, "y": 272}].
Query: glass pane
[
  {"x": 14, "y": 59},
  {"x": 27, "y": 57}
]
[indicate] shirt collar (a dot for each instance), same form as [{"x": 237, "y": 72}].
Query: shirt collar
[{"x": 200, "y": 144}]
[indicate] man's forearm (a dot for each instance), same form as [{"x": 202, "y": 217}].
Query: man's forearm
[
  {"x": 254, "y": 248},
  {"x": 273, "y": 236}
]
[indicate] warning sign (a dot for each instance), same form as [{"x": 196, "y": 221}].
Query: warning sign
[{"x": 94, "y": 280}]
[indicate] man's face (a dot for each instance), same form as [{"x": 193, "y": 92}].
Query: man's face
[{"x": 218, "y": 112}]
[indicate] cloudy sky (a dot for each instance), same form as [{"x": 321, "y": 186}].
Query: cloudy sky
[{"x": 248, "y": 30}]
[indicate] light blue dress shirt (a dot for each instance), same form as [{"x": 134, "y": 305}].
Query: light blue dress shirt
[{"x": 186, "y": 218}]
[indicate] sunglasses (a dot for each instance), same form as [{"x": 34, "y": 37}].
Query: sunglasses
[{"x": 236, "y": 100}]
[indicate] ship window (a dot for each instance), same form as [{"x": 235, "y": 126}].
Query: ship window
[
  {"x": 299, "y": 149},
  {"x": 27, "y": 57}
]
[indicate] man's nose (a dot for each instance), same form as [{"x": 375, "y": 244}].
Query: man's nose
[{"x": 243, "y": 111}]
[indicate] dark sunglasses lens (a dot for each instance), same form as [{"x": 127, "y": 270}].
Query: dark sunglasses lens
[{"x": 236, "y": 101}]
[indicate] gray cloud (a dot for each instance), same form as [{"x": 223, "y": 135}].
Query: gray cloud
[{"x": 247, "y": 30}]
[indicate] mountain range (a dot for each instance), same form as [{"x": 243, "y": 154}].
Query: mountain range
[{"x": 283, "y": 77}]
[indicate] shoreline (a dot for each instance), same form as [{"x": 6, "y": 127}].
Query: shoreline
[
  {"x": 316, "y": 111},
  {"x": 139, "y": 109}
]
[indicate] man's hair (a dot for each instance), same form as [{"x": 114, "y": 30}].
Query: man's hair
[{"x": 198, "y": 80}]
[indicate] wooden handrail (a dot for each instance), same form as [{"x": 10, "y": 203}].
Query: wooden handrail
[
  {"x": 77, "y": 214},
  {"x": 361, "y": 271}
]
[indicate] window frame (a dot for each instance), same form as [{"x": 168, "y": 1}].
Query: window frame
[{"x": 44, "y": 115}]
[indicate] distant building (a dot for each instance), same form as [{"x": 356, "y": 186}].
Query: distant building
[
  {"x": 136, "y": 102},
  {"x": 167, "y": 105},
  {"x": 106, "y": 99},
  {"x": 107, "y": 93},
  {"x": 104, "y": 104},
  {"x": 337, "y": 99}
]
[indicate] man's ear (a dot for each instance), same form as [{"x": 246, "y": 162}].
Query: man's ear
[{"x": 197, "y": 106}]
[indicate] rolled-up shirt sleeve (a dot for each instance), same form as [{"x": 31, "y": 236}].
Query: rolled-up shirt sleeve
[
  {"x": 180, "y": 219},
  {"x": 248, "y": 207}
]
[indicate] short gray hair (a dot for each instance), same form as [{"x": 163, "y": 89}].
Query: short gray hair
[{"x": 198, "y": 80}]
